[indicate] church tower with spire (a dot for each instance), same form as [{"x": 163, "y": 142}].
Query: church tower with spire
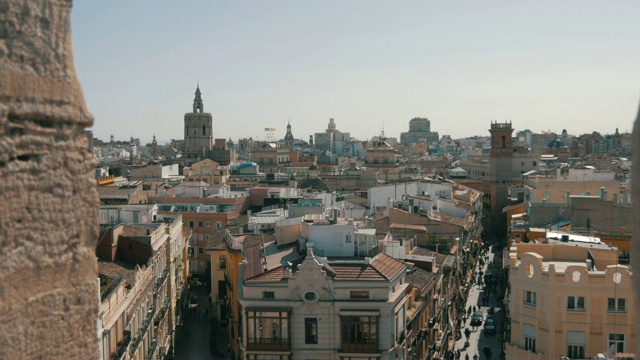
[
  {"x": 154, "y": 147},
  {"x": 288, "y": 138},
  {"x": 198, "y": 129}
]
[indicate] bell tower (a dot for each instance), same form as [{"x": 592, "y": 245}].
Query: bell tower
[
  {"x": 198, "y": 129},
  {"x": 198, "y": 106},
  {"x": 501, "y": 151},
  {"x": 288, "y": 138}
]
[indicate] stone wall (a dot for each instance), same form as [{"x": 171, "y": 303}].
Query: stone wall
[
  {"x": 48, "y": 199},
  {"x": 635, "y": 213}
]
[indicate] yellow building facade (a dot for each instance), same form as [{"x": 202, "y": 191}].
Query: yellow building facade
[{"x": 569, "y": 299}]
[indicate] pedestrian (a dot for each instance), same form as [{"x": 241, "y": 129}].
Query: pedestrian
[{"x": 466, "y": 356}]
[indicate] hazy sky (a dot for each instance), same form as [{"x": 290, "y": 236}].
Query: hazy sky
[{"x": 544, "y": 65}]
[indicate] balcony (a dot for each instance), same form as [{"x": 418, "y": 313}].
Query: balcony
[
  {"x": 161, "y": 280},
  {"x": 143, "y": 330},
  {"x": 122, "y": 345},
  {"x": 268, "y": 344},
  {"x": 362, "y": 346},
  {"x": 152, "y": 349}
]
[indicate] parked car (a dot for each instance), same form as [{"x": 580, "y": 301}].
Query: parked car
[
  {"x": 490, "y": 326},
  {"x": 476, "y": 319}
]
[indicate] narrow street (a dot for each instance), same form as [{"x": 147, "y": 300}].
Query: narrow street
[
  {"x": 483, "y": 296},
  {"x": 199, "y": 331}
]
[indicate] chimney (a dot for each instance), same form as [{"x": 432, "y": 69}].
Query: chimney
[
  {"x": 287, "y": 273},
  {"x": 588, "y": 262},
  {"x": 603, "y": 194}
]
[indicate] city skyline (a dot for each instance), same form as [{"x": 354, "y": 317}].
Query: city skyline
[{"x": 367, "y": 65}]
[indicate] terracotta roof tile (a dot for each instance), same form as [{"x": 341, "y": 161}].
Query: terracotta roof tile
[
  {"x": 387, "y": 266},
  {"x": 128, "y": 271},
  {"x": 356, "y": 272},
  {"x": 134, "y": 230},
  {"x": 276, "y": 274}
]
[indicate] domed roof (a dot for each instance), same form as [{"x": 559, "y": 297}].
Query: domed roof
[
  {"x": 246, "y": 165},
  {"x": 313, "y": 167},
  {"x": 556, "y": 143}
]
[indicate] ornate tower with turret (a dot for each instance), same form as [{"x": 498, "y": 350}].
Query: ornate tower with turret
[
  {"x": 198, "y": 129},
  {"x": 288, "y": 138},
  {"x": 154, "y": 147}
]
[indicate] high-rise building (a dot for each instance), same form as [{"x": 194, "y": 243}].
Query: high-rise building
[
  {"x": 419, "y": 132},
  {"x": 198, "y": 129}
]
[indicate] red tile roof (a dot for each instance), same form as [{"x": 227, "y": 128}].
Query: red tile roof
[
  {"x": 356, "y": 272},
  {"x": 387, "y": 265},
  {"x": 276, "y": 274}
]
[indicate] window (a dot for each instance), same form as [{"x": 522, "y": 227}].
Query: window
[
  {"x": 547, "y": 195},
  {"x": 222, "y": 289},
  {"x": 268, "y": 357},
  {"x": 575, "y": 303},
  {"x": 361, "y": 330},
  {"x": 200, "y": 250},
  {"x": 310, "y": 296},
  {"x": 268, "y": 328},
  {"x": 191, "y": 224},
  {"x": 575, "y": 351},
  {"x": 521, "y": 163},
  {"x": 616, "y": 305},
  {"x": 616, "y": 341},
  {"x": 530, "y": 298},
  {"x": 359, "y": 295},
  {"x": 268, "y": 295},
  {"x": 208, "y": 223},
  {"x": 529, "y": 337},
  {"x": 218, "y": 225},
  {"x": 535, "y": 163},
  {"x": 222, "y": 261},
  {"x": 199, "y": 223},
  {"x": 310, "y": 330},
  {"x": 208, "y": 237},
  {"x": 576, "y": 341},
  {"x": 347, "y": 238}
]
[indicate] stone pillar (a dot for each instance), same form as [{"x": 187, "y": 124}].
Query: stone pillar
[
  {"x": 635, "y": 216},
  {"x": 48, "y": 199}
]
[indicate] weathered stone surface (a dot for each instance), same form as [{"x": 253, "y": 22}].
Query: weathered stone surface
[
  {"x": 635, "y": 213},
  {"x": 48, "y": 200}
]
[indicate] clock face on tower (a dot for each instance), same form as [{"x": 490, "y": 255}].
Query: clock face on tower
[
  {"x": 530, "y": 270},
  {"x": 617, "y": 278},
  {"x": 575, "y": 276}
]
